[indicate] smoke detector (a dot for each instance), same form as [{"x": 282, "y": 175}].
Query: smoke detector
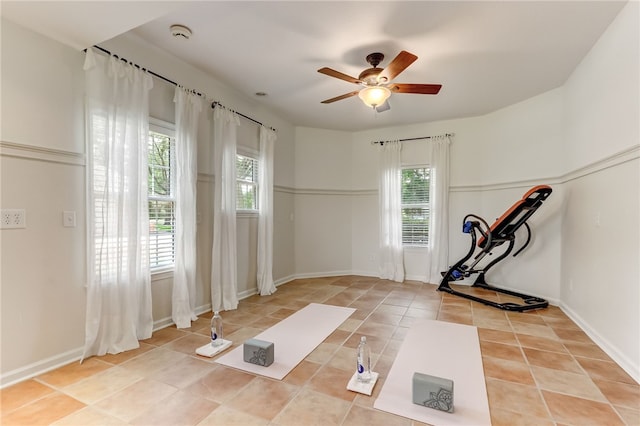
[{"x": 180, "y": 31}]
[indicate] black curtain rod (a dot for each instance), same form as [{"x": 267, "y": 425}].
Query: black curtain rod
[
  {"x": 213, "y": 105},
  {"x": 412, "y": 139},
  {"x": 142, "y": 68},
  {"x": 216, "y": 103}
]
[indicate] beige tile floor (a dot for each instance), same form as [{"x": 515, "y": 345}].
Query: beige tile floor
[{"x": 540, "y": 368}]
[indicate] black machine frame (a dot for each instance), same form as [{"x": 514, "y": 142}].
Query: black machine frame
[{"x": 503, "y": 231}]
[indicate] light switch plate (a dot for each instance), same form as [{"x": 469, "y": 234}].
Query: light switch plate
[{"x": 69, "y": 219}]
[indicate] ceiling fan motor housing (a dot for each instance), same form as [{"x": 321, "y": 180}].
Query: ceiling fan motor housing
[
  {"x": 370, "y": 75},
  {"x": 375, "y": 58}
]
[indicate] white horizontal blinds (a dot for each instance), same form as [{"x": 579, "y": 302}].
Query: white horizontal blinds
[
  {"x": 161, "y": 200},
  {"x": 415, "y": 206},
  {"x": 246, "y": 183},
  {"x": 103, "y": 246}
]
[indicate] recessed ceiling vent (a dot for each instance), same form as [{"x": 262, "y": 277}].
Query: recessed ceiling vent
[{"x": 180, "y": 31}]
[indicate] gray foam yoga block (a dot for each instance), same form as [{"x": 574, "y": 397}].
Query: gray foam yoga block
[
  {"x": 258, "y": 352},
  {"x": 433, "y": 392}
]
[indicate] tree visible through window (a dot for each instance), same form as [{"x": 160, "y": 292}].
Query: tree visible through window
[
  {"x": 415, "y": 206},
  {"x": 246, "y": 183},
  {"x": 161, "y": 200}
]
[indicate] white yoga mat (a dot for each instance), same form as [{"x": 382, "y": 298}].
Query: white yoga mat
[
  {"x": 442, "y": 349},
  {"x": 293, "y": 339}
]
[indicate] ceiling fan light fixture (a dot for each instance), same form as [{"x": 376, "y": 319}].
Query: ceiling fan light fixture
[{"x": 374, "y": 96}]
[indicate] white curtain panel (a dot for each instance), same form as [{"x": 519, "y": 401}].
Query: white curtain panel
[
  {"x": 265, "y": 218},
  {"x": 188, "y": 108},
  {"x": 224, "y": 281},
  {"x": 389, "y": 190},
  {"x": 439, "y": 208},
  {"x": 119, "y": 279}
]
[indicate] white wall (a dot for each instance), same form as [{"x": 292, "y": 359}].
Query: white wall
[
  {"x": 522, "y": 147},
  {"x": 581, "y": 140},
  {"x": 494, "y": 160},
  {"x": 322, "y": 224},
  {"x": 42, "y": 171},
  {"x": 600, "y": 233}
]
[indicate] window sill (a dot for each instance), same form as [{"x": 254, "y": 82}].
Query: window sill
[
  {"x": 161, "y": 274},
  {"x": 415, "y": 248},
  {"x": 247, "y": 213}
]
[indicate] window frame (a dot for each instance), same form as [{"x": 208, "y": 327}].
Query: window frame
[
  {"x": 425, "y": 205},
  {"x": 168, "y": 129},
  {"x": 255, "y": 156}
]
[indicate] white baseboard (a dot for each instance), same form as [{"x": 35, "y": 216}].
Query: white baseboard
[
  {"x": 421, "y": 278},
  {"x": 322, "y": 274},
  {"x": 284, "y": 280},
  {"x": 633, "y": 369},
  {"x": 168, "y": 321},
  {"x": 364, "y": 274},
  {"x": 162, "y": 323},
  {"x": 40, "y": 367},
  {"x": 247, "y": 293}
]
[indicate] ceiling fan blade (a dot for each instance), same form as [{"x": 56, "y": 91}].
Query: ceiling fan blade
[
  {"x": 337, "y": 74},
  {"x": 341, "y": 97},
  {"x": 399, "y": 64},
  {"x": 423, "y": 89}
]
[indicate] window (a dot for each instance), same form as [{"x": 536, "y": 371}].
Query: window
[
  {"x": 415, "y": 206},
  {"x": 161, "y": 198},
  {"x": 246, "y": 183}
]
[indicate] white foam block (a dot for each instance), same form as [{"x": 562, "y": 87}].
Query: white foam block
[
  {"x": 365, "y": 388},
  {"x": 445, "y": 350},
  {"x": 211, "y": 351}
]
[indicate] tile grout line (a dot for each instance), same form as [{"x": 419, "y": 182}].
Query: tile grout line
[
  {"x": 374, "y": 288},
  {"x": 535, "y": 381}
]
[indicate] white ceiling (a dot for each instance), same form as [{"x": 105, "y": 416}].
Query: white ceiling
[{"x": 487, "y": 55}]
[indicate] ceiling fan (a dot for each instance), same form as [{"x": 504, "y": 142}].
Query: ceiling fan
[{"x": 376, "y": 82}]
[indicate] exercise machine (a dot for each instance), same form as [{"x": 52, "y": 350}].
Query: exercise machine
[{"x": 501, "y": 233}]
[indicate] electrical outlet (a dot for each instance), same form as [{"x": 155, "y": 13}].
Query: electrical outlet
[{"x": 13, "y": 219}]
